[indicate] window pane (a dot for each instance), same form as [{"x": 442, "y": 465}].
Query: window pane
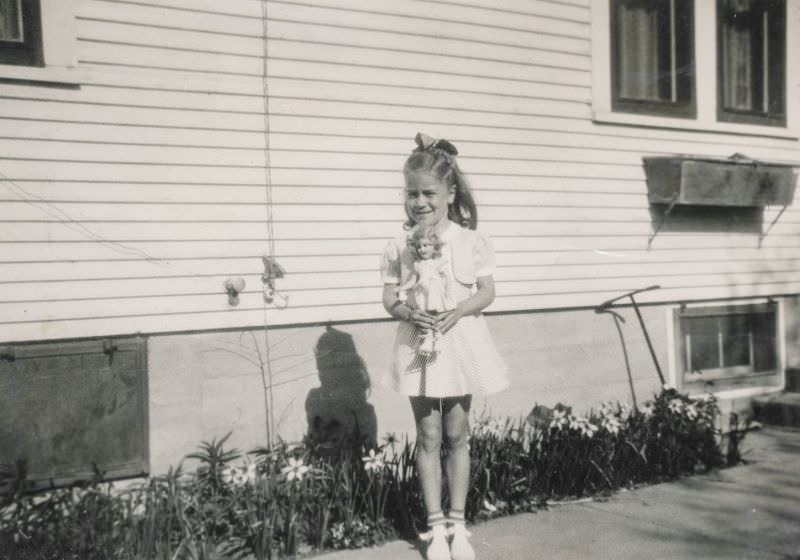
[
  {"x": 765, "y": 342},
  {"x": 736, "y": 340},
  {"x": 640, "y": 30},
  {"x": 751, "y": 57},
  {"x": 702, "y": 335},
  {"x": 10, "y": 20},
  {"x": 652, "y": 62}
]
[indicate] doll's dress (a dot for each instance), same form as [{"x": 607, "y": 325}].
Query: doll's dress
[
  {"x": 430, "y": 294},
  {"x": 430, "y": 291},
  {"x": 466, "y": 360}
]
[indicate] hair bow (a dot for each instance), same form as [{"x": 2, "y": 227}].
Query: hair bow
[{"x": 425, "y": 143}]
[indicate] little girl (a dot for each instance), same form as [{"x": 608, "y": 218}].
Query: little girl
[
  {"x": 441, "y": 384},
  {"x": 428, "y": 282}
]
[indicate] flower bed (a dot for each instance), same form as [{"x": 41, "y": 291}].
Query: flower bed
[{"x": 292, "y": 499}]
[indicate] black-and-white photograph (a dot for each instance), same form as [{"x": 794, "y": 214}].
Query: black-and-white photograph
[{"x": 414, "y": 279}]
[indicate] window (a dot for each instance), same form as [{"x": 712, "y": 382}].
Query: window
[
  {"x": 728, "y": 345},
  {"x": 708, "y": 65},
  {"x": 652, "y": 57},
  {"x": 38, "y": 41},
  {"x": 751, "y": 45},
  {"x": 20, "y": 33}
]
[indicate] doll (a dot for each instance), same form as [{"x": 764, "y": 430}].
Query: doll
[{"x": 428, "y": 282}]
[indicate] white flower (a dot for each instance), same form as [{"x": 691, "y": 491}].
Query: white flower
[
  {"x": 607, "y": 409},
  {"x": 239, "y": 477},
  {"x": 586, "y": 428},
  {"x": 373, "y": 462},
  {"x": 390, "y": 439},
  {"x": 295, "y": 469},
  {"x": 581, "y": 424},
  {"x": 559, "y": 419},
  {"x": 228, "y": 474},
  {"x": 675, "y": 406},
  {"x": 611, "y": 424},
  {"x": 488, "y": 506},
  {"x": 691, "y": 411}
]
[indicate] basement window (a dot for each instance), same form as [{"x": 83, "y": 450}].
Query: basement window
[{"x": 727, "y": 346}]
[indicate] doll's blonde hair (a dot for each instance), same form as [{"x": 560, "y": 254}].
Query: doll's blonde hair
[{"x": 419, "y": 234}]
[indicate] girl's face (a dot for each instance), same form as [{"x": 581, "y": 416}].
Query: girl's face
[{"x": 426, "y": 199}]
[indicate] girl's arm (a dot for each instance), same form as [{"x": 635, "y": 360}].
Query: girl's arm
[
  {"x": 400, "y": 310},
  {"x": 475, "y": 303},
  {"x": 413, "y": 278}
]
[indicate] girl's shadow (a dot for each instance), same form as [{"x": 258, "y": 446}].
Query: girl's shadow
[{"x": 337, "y": 412}]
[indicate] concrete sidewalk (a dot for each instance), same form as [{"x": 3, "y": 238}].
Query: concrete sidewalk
[{"x": 751, "y": 511}]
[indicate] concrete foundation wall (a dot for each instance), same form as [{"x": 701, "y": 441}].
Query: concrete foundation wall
[{"x": 325, "y": 379}]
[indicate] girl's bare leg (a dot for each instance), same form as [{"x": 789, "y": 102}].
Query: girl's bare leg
[
  {"x": 456, "y": 437},
  {"x": 428, "y": 417}
]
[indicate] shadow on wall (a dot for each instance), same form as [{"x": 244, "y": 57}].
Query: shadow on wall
[
  {"x": 337, "y": 412},
  {"x": 700, "y": 219}
]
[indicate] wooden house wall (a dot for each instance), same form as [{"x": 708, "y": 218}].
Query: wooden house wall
[{"x": 126, "y": 203}]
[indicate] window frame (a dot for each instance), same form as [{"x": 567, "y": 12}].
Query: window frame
[
  {"x": 29, "y": 51},
  {"x": 736, "y": 379},
  {"x": 705, "y": 51},
  {"x": 59, "y": 48},
  {"x": 679, "y": 109},
  {"x": 752, "y": 117}
]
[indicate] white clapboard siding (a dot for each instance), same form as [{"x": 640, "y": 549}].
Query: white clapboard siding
[
  {"x": 509, "y": 280},
  {"x": 60, "y": 192},
  {"x": 512, "y": 264},
  {"x": 131, "y": 115},
  {"x": 214, "y": 296},
  {"x": 572, "y": 133},
  {"x": 304, "y": 255},
  {"x": 420, "y": 20},
  {"x": 126, "y": 203},
  {"x": 145, "y": 136}
]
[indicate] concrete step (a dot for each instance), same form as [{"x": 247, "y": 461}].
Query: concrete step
[{"x": 782, "y": 409}]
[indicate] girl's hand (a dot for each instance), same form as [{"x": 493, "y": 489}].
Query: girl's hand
[
  {"x": 422, "y": 320},
  {"x": 448, "y": 319}
]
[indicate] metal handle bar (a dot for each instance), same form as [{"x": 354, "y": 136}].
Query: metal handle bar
[{"x": 630, "y": 294}]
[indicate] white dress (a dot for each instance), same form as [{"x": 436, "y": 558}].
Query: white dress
[{"x": 466, "y": 360}]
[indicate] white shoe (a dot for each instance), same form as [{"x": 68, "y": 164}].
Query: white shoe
[
  {"x": 437, "y": 547},
  {"x": 460, "y": 549}
]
